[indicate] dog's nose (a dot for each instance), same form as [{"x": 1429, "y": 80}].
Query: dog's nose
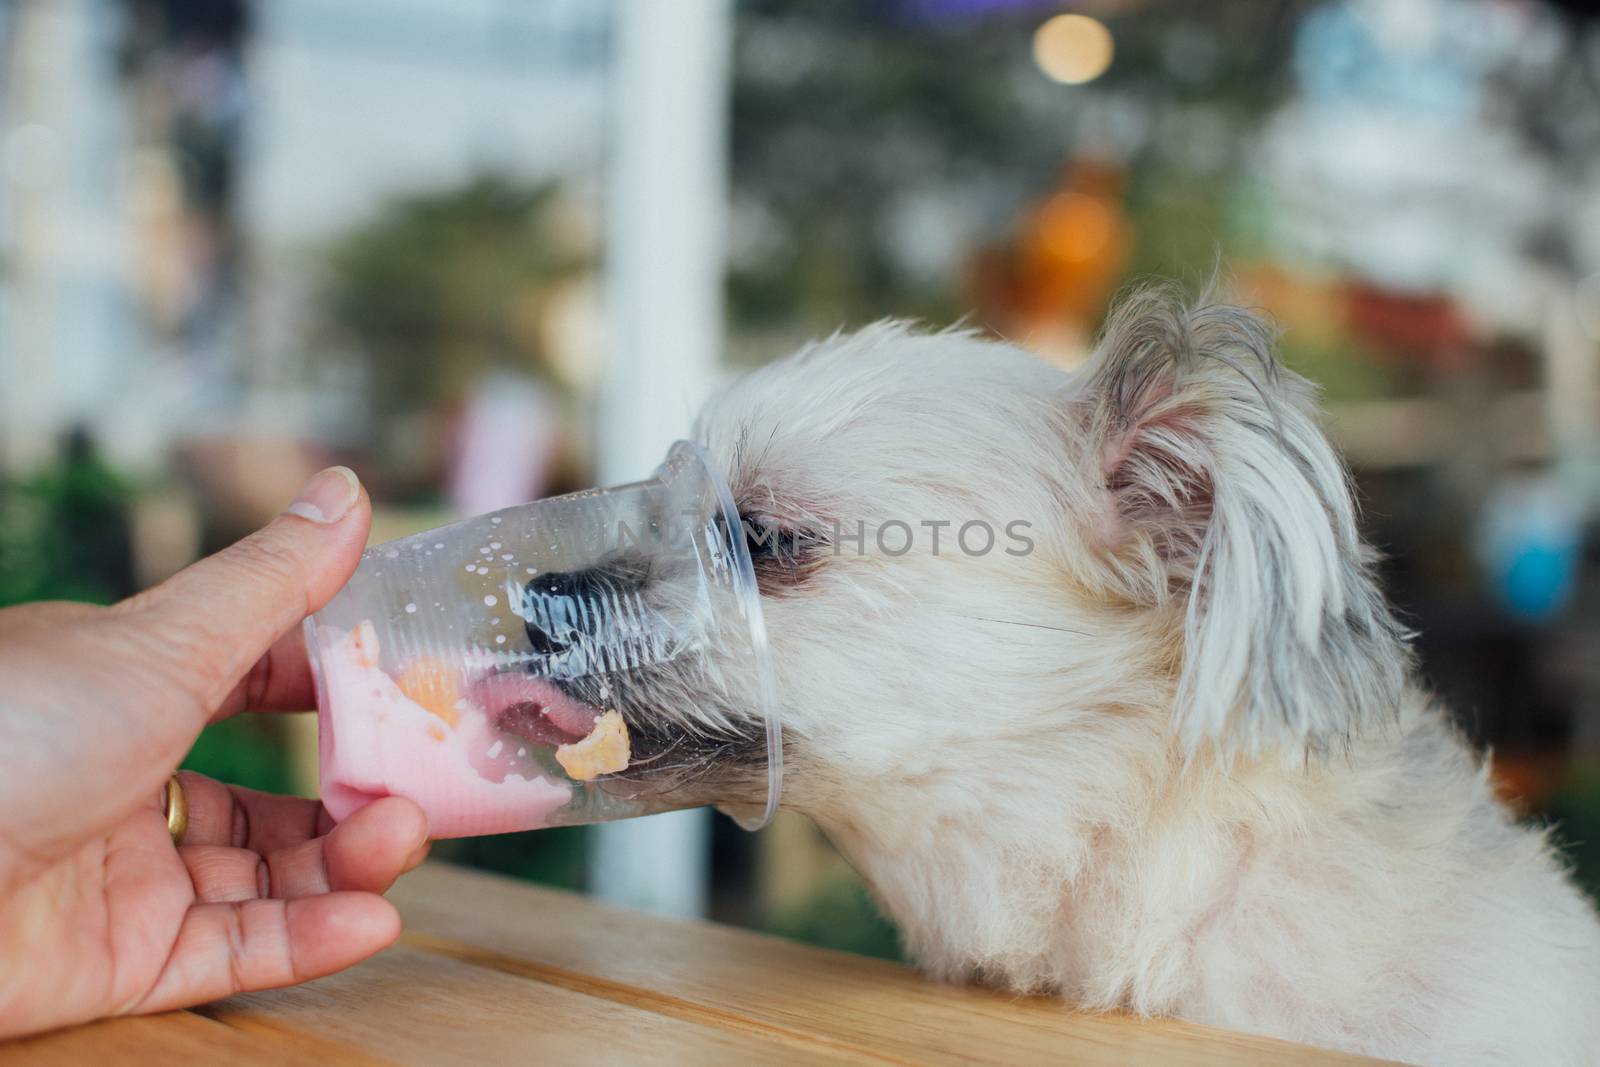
[{"x": 557, "y": 608}]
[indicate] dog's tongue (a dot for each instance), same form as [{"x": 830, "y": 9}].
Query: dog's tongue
[{"x": 534, "y": 709}]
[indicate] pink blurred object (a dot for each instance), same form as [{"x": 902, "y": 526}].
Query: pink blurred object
[{"x": 505, "y": 446}]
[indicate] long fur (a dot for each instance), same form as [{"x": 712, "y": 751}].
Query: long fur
[
  {"x": 1172, "y": 757},
  {"x": 1229, "y": 489}
]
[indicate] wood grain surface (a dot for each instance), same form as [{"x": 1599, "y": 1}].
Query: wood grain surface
[{"x": 493, "y": 971}]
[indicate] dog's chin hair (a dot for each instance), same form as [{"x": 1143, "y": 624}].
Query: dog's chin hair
[{"x": 1197, "y": 779}]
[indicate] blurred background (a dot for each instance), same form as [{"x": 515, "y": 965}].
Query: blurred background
[{"x": 487, "y": 250}]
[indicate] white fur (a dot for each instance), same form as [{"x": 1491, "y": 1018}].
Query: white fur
[{"x": 1172, "y": 759}]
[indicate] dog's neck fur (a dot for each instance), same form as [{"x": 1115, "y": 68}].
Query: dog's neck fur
[
  {"x": 1160, "y": 882},
  {"x": 1047, "y": 876}
]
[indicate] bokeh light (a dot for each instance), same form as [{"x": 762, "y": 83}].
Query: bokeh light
[
  {"x": 1075, "y": 227},
  {"x": 1073, "y": 49}
]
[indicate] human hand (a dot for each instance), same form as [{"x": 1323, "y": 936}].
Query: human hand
[{"x": 99, "y": 913}]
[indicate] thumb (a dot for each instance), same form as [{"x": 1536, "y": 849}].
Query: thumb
[{"x": 222, "y": 614}]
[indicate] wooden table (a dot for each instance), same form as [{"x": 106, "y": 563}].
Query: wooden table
[{"x": 494, "y": 971}]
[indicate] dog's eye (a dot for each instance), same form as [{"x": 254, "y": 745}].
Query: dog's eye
[
  {"x": 768, "y": 540},
  {"x": 781, "y": 553},
  {"x": 760, "y": 538}
]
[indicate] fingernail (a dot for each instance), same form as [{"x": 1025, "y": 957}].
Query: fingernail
[{"x": 327, "y": 497}]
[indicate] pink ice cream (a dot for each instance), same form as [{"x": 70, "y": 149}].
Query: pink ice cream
[{"x": 469, "y": 777}]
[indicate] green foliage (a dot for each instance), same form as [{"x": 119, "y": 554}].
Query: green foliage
[
  {"x": 556, "y": 857},
  {"x": 1181, "y": 221},
  {"x": 440, "y": 286},
  {"x": 1342, "y": 367},
  {"x": 249, "y": 750},
  {"x": 64, "y": 532},
  {"x": 1575, "y": 813},
  {"x": 841, "y": 915}
]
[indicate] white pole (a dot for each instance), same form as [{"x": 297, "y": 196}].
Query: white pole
[
  {"x": 67, "y": 341},
  {"x": 35, "y": 141},
  {"x": 664, "y": 266}
]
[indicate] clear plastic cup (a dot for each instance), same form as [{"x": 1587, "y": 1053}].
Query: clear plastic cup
[{"x": 589, "y": 657}]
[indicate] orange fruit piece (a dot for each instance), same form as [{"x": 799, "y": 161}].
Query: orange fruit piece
[
  {"x": 604, "y": 751},
  {"x": 432, "y": 684}
]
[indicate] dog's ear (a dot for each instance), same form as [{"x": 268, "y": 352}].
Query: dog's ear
[{"x": 1215, "y": 487}]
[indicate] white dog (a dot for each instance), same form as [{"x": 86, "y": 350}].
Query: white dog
[{"x": 1157, "y": 746}]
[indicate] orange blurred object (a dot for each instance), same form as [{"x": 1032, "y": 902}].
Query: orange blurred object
[
  {"x": 1048, "y": 288},
  {"x": 1526, "y": 780}
]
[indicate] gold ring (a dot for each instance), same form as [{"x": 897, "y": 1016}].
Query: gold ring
[{"x": 175, "y": 805}]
